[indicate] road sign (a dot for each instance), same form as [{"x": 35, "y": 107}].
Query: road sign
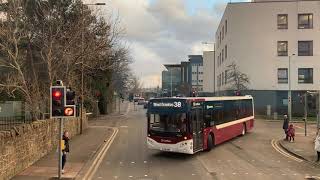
[{"x": 70, "y": 111}]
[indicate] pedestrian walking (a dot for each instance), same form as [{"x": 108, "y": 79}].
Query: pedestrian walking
[
  {"x": 285, "y": 126},
  {"x": 65, "y": 148},
  {"x": 291, "y": 133},
  {"x": 317, "y": 145}
]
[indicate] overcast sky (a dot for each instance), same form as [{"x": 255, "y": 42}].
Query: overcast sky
[{"x": 165, "y": 31}]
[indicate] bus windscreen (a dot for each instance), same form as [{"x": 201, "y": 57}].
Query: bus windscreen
[{"x": 174, "y": 123}]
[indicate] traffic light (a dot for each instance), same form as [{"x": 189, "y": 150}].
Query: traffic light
[
  {"x": 57, "y": 101},
  {"x": 70, "y": 96}
]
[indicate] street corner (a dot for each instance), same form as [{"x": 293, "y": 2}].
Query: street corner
[{"x": 300, "y": 149}]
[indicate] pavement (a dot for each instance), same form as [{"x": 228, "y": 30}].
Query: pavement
[
  {"x": 303, "y": 146},
  {"x": 83, "y": 149}
]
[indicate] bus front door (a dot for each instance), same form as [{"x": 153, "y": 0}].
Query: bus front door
[{"x": 197, "y": 129}]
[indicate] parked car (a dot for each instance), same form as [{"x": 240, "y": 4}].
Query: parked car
[{"x": 141, "y": 101}]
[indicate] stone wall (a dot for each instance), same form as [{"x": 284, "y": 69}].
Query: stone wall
[{"x": 26, "y": 144}]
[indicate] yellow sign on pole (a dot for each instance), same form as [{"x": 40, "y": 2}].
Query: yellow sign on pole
[{"x": 62, "y": 145}]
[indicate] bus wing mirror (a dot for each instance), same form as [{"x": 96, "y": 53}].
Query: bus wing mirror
[{"x": 212, "y": 123}]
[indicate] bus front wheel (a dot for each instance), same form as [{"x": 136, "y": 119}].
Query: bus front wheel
[{"x": 210, "y": 142}]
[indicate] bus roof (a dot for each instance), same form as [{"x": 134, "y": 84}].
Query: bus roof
[{"x": 218, "y": 98}]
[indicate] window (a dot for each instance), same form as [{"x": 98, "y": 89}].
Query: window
[
  {"x": 305, "y": 21},
  {"x": 222, "y": 33},
  {"x": 305, "y": 75},
  {"x": 226, "y": 27},
  {"x": 282, "y": 21},
  {"x": 222, "y": 55},
  {"x": 282, "y": 48},
  {"x": 225, "y": 76},
  {"x": 226, "y": 52},
  {"x": 220, "y": 37},
  {"x": 305, "y": 48},
  {"x": 282, "y": 75},
  {"x": 222, "y": 77}
]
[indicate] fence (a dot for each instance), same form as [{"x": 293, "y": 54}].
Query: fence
[{"x": 7, "y": 123}]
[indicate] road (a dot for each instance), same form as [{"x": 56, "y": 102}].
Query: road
[{"x": 249, "y": 157}]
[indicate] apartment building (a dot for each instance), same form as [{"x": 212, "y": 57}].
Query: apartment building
[{"x": 277, "y": 44}]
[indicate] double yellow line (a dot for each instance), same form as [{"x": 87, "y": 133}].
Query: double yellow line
[
  {"x": 275, "y": 145},
  {"x": 98, "y": 159}
]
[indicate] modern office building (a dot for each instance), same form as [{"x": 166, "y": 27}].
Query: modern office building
[
  {"x": 208, "y": 72},
  {"x": 277, "y": 44},
  {"x": 196, "y": 75},
  {"x": 171, "y": 79}
]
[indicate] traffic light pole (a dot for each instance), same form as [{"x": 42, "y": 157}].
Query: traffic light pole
[{"x": 59, "y": 147}]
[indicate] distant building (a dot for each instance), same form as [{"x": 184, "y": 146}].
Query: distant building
[
  {"x": 196, "y": 76},
  {"x": 261, "y": 37},
  {"x": 208, "y": 72},
  {"x": 171, "y": 79}
]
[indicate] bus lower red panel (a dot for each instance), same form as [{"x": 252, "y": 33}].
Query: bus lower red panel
[{"x": 226, "y": 133}]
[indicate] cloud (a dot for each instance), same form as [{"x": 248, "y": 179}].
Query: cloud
[{"x": 164, "y": 31}]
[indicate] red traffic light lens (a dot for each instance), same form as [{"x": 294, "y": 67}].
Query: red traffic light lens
[{"x": 57, "y": 94}]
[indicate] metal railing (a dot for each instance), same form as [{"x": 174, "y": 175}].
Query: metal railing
[{"x": 7, "y": 123}]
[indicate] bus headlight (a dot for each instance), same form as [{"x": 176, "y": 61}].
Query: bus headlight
[{"x": 185, "y": 138}]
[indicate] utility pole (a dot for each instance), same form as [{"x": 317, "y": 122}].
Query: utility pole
[
  {"x": 59, "y": 147},
  {"x": 171, "y": 80},
  {"x": 82, "y": 66},
  {"x": 305, "y": 113},
  {"x": 289, "y": 90},
  {"x": 318, "y": 117}
]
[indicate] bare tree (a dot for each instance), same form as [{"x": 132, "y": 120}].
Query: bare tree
[{"x": 237, "y": 79}]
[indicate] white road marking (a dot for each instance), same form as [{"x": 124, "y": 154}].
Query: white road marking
[
  {"x": 193, "y": 174},
  {"x": 97, "y": 161},
  {"x": 124, "y": 126},
  {"x": 222, "y": 174},
  {"x": 130, "y": 176},
  {"x": 234, "y": 173},
  {"x": 99, "y": 177},
  {"x": 283, "y": 174},
  {"x": 145, "y": 175},
  {"x": 116, "y": 177},
  {"x": 132, "y": 162},
  {"x": 246, "y": 173},
  {"x": 145, "y": 162}
]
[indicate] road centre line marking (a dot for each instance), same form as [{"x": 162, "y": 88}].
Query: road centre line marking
[
  {"x": 97, "y": 161},
  {"x": 277, "y": 148}
]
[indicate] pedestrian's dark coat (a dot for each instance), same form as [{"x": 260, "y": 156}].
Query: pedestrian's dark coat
[
  {"x": 285, "y": 123},
  {"x": 66, "y": 144}
]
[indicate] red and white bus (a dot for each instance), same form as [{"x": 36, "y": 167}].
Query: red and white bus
[{"x": 190, "y": 125}]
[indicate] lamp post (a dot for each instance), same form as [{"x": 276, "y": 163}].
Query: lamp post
[
  {"x": 82, "y": 66},
  {"x": 289, "y": 90},
  {"x": 171, "y": 80}
]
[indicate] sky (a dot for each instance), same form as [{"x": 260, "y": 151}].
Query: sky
[{"x": 159, "y": 32}]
